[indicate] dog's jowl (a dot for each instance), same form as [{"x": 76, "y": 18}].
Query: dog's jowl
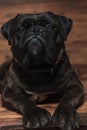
[{"x": 39, "y": 69}]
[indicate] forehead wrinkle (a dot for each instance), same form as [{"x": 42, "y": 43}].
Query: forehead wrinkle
[{"x": 42, "y": 16}]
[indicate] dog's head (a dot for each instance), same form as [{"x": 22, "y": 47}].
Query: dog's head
[{"x": 37, "y": 39}]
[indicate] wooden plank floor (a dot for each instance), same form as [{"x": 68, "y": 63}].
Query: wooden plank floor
[{"x": 76, "y": 45}]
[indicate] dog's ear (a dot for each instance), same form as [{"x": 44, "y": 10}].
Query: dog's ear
[
  {"x": 6, "y": 30},
  {"x": 65, "y": 25}
]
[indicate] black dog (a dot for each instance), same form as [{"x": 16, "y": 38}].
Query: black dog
[{"x": 40, "y": 68}]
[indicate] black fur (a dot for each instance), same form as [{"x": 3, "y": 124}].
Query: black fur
[{"x": 40, "y": 69}]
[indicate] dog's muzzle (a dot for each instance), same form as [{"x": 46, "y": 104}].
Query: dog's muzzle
[
  {"x": 35, "y": 41},
  {"x": 35, "y": 46}
]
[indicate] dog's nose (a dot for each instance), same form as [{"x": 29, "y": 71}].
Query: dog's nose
[{"x": 35, "y": 46}]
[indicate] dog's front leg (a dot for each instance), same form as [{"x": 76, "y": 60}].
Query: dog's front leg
[
  {"x": 65, "y": 115},
  {"x": 33, "y": 116}
]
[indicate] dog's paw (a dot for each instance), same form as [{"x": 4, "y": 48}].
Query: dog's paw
[
  {"x": 66, "y": 118},
  {"x": 36, "y": 117}
]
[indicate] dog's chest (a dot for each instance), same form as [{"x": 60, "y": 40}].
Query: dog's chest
[{"x": 14, "y": 82}]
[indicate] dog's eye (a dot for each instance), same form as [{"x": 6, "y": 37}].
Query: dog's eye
[
  {"x": 20, "y": 29},
  {"x": 50, "y": 26}
]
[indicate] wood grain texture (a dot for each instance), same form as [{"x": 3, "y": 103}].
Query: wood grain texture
[{"x": 76, "y": 46}]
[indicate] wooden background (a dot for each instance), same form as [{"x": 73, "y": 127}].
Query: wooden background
[{"x": 76, "y": 44}]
